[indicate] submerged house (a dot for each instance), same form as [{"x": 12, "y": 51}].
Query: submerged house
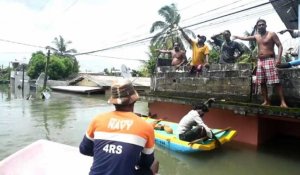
[{"x": 86, "y": 83}]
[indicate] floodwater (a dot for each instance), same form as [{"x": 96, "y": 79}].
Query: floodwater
[{"x": 64, "y": 117}]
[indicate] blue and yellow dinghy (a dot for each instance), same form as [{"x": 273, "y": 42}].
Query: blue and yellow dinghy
[{"x": 172, "y": 142}]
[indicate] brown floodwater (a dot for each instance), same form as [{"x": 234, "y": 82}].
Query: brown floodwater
[{"x": 64, "y": 117}]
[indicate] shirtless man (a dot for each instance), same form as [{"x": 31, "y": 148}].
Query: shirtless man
[
  {"x": 266, "y": 63},
  {"x": 178, "y": 56}
]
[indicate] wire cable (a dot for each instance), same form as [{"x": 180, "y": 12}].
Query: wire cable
[{"x": 24, "y": 44}]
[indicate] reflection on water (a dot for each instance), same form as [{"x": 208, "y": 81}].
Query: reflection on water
[{"x": 64, "y": 117}]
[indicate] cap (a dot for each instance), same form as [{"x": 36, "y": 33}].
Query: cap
[
  {"x": 123, "y": 93},
  {"x": 202, "y": 37}
]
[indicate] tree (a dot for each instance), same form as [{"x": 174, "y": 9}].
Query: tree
[
  {"x": 168, "y": 29},
  {"x": 106, "y": 71},
  {"x": 60, "y": 67},
  {"x": 36, "y": 64},
  {"x": 150, "y": 65},
  {"x": 61, "y": 47}
]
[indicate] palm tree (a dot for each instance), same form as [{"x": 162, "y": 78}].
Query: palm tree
[
  {"x": 61, "y": 51},
  {"x": 168, "y": 29},
  {"x": 61, "y": 47}
]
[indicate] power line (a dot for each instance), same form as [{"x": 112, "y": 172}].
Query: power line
[
  {"x": 69, "y": 7},
  {"x": 239, "y": 18},
  {"x": 24, "y": 44},
  {"x": 229, "y": 14},
  {"x": 210, "y": 11},
  {"x": 113, "y": 47},
  {"x": 120, "y": 58},
  {"x": 148, "y": 38}
]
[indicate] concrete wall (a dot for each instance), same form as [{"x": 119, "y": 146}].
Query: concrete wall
[{"x": 230, "y": 82}]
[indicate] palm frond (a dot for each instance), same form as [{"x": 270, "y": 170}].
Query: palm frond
[
  {"x": 169, "y": 13},
  {"x": 161, "y": 34},
  {"x": 158, "y": 25}
]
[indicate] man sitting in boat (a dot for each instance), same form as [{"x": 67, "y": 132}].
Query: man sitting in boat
[
  {"x": 120, "y": 141},
  {"x": 192, "y": 127}
]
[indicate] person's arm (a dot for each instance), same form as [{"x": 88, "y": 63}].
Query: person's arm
[
  {"x": 279, "y": 45},
  {"x": 147, "y": 155},
  {"x": 163, "y": 51},
  {"x": 206, "y": 52},
  {"x": 185, "y": 36},
  {"x": 87, "y": 144},
  {"x": 294, "y": 33},
  {"x": 240, "y": 49},
  {"x": 245, "y": 38},
  {"x": 216, "y": 40},
  {"x": 286, "y": 30},
  {"x": 200, "y": 122},
  {"x": 206, "y": 59}
]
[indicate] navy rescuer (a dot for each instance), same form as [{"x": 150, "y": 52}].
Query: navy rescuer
[{"x": 120, "y": 142}]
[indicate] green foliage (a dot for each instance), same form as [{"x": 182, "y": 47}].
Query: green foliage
[
  {"x": 57, "y": 68},
  {"x": 136, "y": 73},
  {"x": 106, "y": 71},
  {"x": 4, "y": 74},
  {"x": 36, "y": 64},
  {"x": 60, "y": 67},
  {"x": 61, "y": 46},
  {"x": 214, "y": 56},
  {"x": 167, "y": 31},
  {"x": 150, "y": 65}
]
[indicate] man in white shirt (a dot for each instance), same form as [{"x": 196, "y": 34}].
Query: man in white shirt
[
  {"x": 294, "y": 34},
  {"x": 192, "y": 127}
]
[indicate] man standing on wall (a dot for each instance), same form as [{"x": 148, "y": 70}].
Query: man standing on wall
[
  {"x": 267, "y": 72},
  {"x": 228, "y": 48},
  {"x": 178, "y": 55},
  {"x": 200, "y": 52}
]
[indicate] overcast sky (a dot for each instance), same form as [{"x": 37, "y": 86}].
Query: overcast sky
[{"x": 99, "y": 24}]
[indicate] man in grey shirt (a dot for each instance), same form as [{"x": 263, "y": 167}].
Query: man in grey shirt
[{"x": 228, "y": 48}]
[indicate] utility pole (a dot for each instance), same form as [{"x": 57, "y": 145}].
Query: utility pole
[
  {"x": 46, "y": 69},
  {"x": 23, "y": 66}
]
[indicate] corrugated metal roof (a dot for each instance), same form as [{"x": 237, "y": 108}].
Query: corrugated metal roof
[
  {"x": 287, "y": 10},
  {"x": 108, "y": 80}
]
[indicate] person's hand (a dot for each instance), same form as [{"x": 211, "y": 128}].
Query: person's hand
[
  {"x": 278, "y": 61},
  {"x": 209, "y": 134},
  {"x": 282, "y": 31},
  {"x": 206, "y": 65}
]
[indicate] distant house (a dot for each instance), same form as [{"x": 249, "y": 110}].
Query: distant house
[{"x": 99, "y": 83}]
